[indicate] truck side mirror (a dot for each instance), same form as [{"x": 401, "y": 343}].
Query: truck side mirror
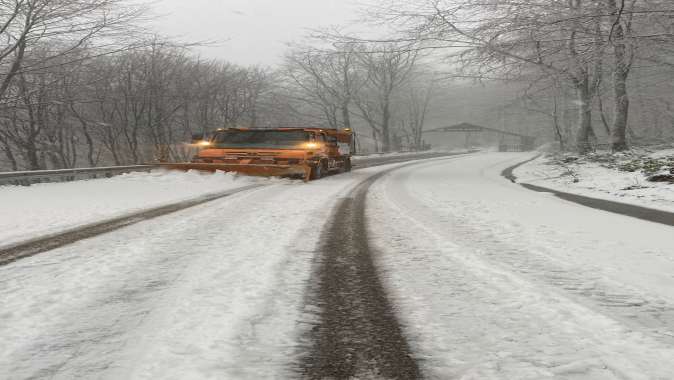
[{"x": 197, "y": 137}]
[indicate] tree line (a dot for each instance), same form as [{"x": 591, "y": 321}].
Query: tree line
[
  {"x": 589, "y": 54},
  {"x": 83, "y": 85}
]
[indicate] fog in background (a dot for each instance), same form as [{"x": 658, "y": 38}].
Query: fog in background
[
  {"x": 257, "y": 32},
  {"x": 249, "y": 32},
  {"x": 135, "y": 80}
]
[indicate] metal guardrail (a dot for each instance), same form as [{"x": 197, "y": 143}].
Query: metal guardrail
[{"x": 26, "y": 178}]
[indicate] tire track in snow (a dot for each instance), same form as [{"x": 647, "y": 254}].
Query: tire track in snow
[
  {"x": 107, "y": 322},
  {"x": 379, "y": 161},
  {"x": 357, "y": 334},
  {"x": 47, "y": 243}
]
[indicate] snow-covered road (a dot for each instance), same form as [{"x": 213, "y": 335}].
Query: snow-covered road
[
  {"x": 495, "y": 281},
  {"x": 209, "y": 292},
  {"x": 488, "y": 279},
  {"x": 42, "y": 209}
]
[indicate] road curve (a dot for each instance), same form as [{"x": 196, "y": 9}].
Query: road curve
[
  {"x": 492, "y": 281},
  {"x": 634, "y": 211}
]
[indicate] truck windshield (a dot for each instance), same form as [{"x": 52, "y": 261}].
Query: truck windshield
[{"x": 260, "y": 139}]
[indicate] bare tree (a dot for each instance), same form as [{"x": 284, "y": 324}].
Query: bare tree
[
  {"x": 387, "y": 67},
  {"x": 328, "y": 79},
  {"x": 68, "y": 25},
  {"x": 623, "y": 56},
  {"x": 514, "y": 40},
  {"x": 416, "y": 106}
]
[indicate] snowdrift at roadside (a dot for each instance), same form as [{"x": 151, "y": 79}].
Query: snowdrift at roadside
[{"x": 598, "y": 178}]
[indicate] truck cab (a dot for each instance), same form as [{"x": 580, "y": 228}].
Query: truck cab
[{"x": 309, "y": 152}]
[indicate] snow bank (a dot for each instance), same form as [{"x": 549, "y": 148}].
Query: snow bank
[
  {"x": 28, "y": 212},
  {"x": 600, "y": 180}
]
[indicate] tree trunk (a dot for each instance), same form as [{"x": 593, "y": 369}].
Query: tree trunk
[
  {"x": 602, "y": 115},
  {"x": 90, "y": 145},
  {"x": 418, "y": 135},
  {"x": 8, "y": 153},
  {"x": 385, "y": 132},
  {"x": 619, "y": 128},
  {"x": 620, "y": 74},
  {"x": 376, "y": 140},
  {"x": 32, "y": 157},
  {"x": 346, "y": 117},
  {"x": 556, "y": 126},
  {"x": 585, "y": 131}
]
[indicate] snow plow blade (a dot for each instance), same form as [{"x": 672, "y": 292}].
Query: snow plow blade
[{"x": 261, "y": 170}]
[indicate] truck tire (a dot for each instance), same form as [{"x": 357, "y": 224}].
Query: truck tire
[
  {"x": 319, "y": 171},
  {"x": 347, "y": 165}
]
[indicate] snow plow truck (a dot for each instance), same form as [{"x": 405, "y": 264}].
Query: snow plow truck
[{"x": 307, "y": 153}]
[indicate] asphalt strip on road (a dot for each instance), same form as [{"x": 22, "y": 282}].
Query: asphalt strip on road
[
  {"x": 639, "y": 212},
  {"x": 357, "y": 334}
]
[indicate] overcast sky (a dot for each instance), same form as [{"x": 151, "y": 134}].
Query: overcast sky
[{"x": 249, "y": 31}]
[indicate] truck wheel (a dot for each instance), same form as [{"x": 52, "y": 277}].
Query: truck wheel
[
  {"x": 347, "y": 165},
  {"x": 318, "y": 171}
]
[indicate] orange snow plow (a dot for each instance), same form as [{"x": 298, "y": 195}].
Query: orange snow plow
[{"x": 308, "y": 153}]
